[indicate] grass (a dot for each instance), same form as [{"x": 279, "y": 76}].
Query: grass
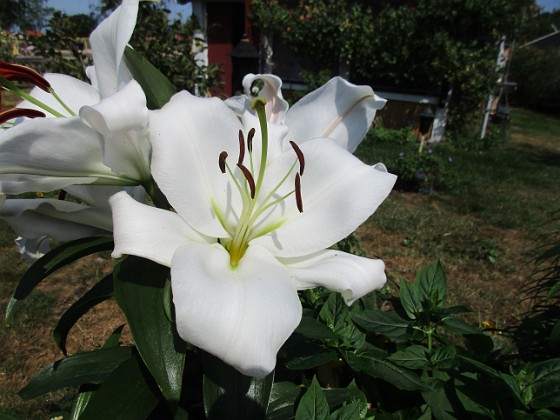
[{"x": 483, "y": 226}]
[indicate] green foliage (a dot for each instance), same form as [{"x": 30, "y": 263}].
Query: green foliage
[
  {"x": 538, "y": 80},
  {"x": 25, "y": 14}
]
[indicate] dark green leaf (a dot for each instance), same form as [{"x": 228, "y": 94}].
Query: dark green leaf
[
  {"x": 128, "y": 393},
  {"x": 413, "y": 357},
  {"x": 358, "y": 397},
  {"x": 444, "y": 357},
  {"x": 282, "y": 400},
  {"x": 387, "y": 323},
  {"x": 347, "y": 412},
  {"x": 102, "y": 291},
  {"x": 368, "y": 361},
  {"x": 139, "y": 292},
  {"x": 314, "y": 329},
  {"x": 156, "y": 86},
  {"x": 336, "y": 315},
  {"x": 545, "y": 387},
  {"x": 432, "y": 286},
  {"x": 313, "y": 404},
  {"x": 410, "y": 298},
  {"x": 311, "y": 361},
  {"x": 82, "y": 368},
  {"x": 52, "y": 261},
  {"x": 458, "y": 326},
  {"x": 230, "y": 394}
]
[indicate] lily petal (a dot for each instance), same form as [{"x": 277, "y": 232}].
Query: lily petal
[
  {"x": 339, "y": 110},
  {"x": 339, "y": 193},
  {"x": 122, "y": 119},
  {"x": 148, "y": 232},
  {"x": 352, "y": 276},
  {"x": 108, "y": 42},
  {"x": 188, "y": 134},
  {"x": 56, "y": 219},
  {"x": 242, "y": 316},
  {"x": 62, "y": 150},
  {"x": 73, "y": 92}
]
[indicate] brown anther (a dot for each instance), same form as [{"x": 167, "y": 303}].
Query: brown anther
[
  {"x": 249, "y": 178},
  {"x": 250, "y": 139},
  {"x": 241, "y": 148},
  {"x": 20, "y": 73},
  {"x": 222, "y": 161},
  {"x": 299, "y": 201},
  {"x": 10, "y": 114},
  {"x": 300, "y": 157},
  {"x": 61, "y": 195}
]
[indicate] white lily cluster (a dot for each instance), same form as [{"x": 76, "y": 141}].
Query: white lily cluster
[{"x": 258, "y": 192}]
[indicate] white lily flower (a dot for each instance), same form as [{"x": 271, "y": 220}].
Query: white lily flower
[
  {"x": 338, "y": 110},
  {"x": 242, "y": 240},
  {"x": 93, "y": 134}
]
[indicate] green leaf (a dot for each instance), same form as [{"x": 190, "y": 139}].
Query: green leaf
[
  {"x": 52, "y": 261},
  {"x": 311, "y": 361},
  {"x": 84, "y": 394},
  {"x": 102, "y": 291},
  {"x": 229, "y": 394},
  {"x": 358, "y": 397},
  {"x": 139, "y": 290},
  {"x": 156, "y": 86},
  {"x": 410, "y": 298},
  {"x": 387, "y": 323},
  {"x": 347, "y": 412},
  {"x": 336, "y": 315},
  {"x": 413, "y": 357},
  {"x": 458, "y": 326},
  {"x": 545, "y": 386},
  {"x": 367, "y": 360},
  {"x": 313, "y": 404},
  {"x": 432, "y": 286},
  {"x": 444, "y": 357},
  {"x": 314, "y": 329},
  {"x": 82, "y": 368},
  {"x": 128, "y": 393},
  {"x": 282, "y": 400}
]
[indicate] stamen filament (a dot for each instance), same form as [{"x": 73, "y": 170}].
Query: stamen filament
[
  {"x": 11, "y": 87},
  {"x": 61, "y": 102}
]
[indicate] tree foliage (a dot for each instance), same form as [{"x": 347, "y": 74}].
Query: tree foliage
[
  {"x": 24, "y": 14},
  {"x": 422, "y": 44}
]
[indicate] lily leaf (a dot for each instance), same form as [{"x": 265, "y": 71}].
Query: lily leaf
[
  {"x": 230, "y": 394},
  {"x": 102, "y": 291},
  {"x": 137, "y": 394},
  {"x": 82, "y": 368},
  {"x": 156, "y": 86},
  {"x": 139, "y": 290},
  {"x": 52, "y": 261}
]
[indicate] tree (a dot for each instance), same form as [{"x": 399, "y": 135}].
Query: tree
[{"x": 24, "y": 14}]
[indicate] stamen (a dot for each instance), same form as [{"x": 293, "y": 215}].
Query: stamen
[
  {"x": 10, "y": 114},
  {"x": 241, "y": 148},
  {"x": 62, "y": 195},
  {"x": 299, "y": 201},
  {"x": 300, "y": 157},
  {"x": 250, "y": 139},
  {"x": 222, "y": 161},
  {"x": 20, "y": 73},
  {"x": 249, "y": 178}
]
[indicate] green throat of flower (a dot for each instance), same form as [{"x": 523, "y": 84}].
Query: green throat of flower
[{"x": 250, "y": 187}]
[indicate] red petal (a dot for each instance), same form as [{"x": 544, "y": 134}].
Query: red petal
[{"x": 21, "y": 73}]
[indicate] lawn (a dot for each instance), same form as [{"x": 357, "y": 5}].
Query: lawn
[{"x": 483, "y": 224}]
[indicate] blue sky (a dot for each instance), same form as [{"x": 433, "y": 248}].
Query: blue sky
[{"x": 72, "y": 7}]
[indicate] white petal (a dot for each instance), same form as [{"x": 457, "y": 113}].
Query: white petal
[
  {"x": 33, "y": 249},
  {"x": 56, "y": 219},
  {"x": 63, "y": 150},
  {"x": 242, "y": 315},
  {"x": 146, "y": 231},
  {"x": 348, "y": 274},
  {"x": 122, "y": 119},
  {"x": 339, "y": 110},
  {"x": 339, "y": 193},
  {"x": 73, "y": 92},
  {"x": 188, "y": 134},
  {"x": 276, "y": 106},
  {"x": 108, "y": 42}
]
